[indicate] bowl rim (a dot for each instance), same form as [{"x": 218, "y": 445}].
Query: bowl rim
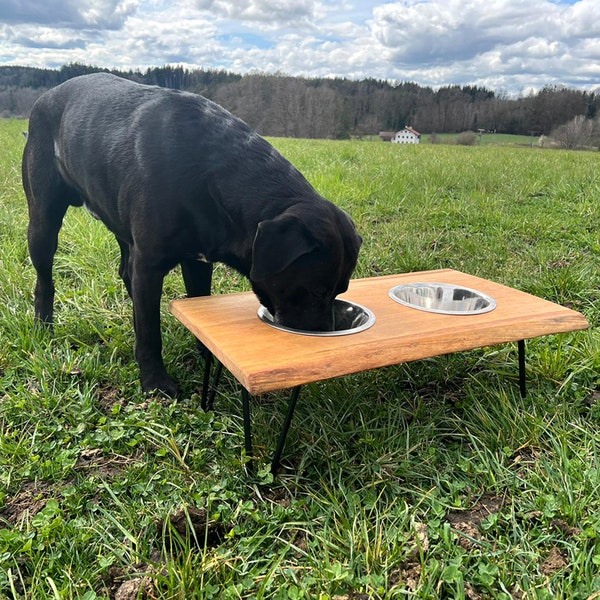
[
  {"x": 491, "y": 303},
  {"x": 265, "y": 316}
]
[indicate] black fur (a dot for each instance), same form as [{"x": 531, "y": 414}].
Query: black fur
[{"x": 177, "y": 179}]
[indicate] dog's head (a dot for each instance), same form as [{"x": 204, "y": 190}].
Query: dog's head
[{"x": 301, "y": 260}]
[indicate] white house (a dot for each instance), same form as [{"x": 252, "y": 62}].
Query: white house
[{"x": 406, "y": 136}]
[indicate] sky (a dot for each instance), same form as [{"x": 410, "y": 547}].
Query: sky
[{"x": 509, "y": 46}]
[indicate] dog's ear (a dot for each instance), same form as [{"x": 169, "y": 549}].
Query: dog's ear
[{"x": 277, "y": 244}]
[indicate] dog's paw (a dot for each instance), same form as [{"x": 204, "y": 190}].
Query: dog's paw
[{"x": 164, "y": 386}]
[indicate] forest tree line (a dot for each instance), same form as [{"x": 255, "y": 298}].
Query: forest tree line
[{"x": 281, "y": 105}]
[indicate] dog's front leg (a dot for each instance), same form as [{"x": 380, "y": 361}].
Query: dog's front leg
[{"x": 146, "y": 290}]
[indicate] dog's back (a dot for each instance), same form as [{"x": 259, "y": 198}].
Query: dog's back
[{"x": 99, "y": 131}]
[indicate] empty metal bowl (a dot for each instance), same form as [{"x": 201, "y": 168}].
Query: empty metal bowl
[
  {"x": 349, "y": 318},
  {"x": 443, "y": 298}
]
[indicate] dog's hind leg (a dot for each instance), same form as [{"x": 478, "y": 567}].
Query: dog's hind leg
[
  {"x": 48, "y": 201},
  {"x": 43, "y": 241},
  {"x": 124, "y": 269},
  {"x": 197, "y": 277}
]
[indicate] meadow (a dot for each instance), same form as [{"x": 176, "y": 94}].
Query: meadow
[
  {"x": 485, "y": 139},
  {"x": 432, "y": 479}
]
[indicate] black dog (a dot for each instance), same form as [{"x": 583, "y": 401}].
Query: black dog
[{"x": 179, "y": 180}]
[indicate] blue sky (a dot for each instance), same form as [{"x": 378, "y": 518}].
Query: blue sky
[{"x": 510, "y": 46}]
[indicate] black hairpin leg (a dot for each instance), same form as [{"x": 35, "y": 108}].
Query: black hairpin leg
[
  {"x": 208, "y": 400},
  {"x": 208, "y": 361},
  {"x": 282, "y": 436},
  {"x": 215, "y": 385},
  {"x": 286, "y": 428},
  {"x": 522, "y": 378},
  {"x": 247, "y": 429}
]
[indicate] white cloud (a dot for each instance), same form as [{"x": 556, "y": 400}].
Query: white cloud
[
  {"x": 47, "y": 38},
  {"x": 104, "y": 14},
  {"x": 443, "y": 31},
  {"x": 513, "y": 44},
  {"x": 502, "y": 44},
  {"x": 582, "y": 20},
  {"x": 268, "y": 11}
]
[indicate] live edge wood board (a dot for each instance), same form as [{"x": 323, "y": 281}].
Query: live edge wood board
[{"x": 265, "y": 359}]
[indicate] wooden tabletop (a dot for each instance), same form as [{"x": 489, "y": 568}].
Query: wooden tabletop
[{"x": 265, "y": 359}]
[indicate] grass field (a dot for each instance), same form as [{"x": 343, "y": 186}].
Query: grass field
[
  {"x": 428, "y": 480},
  {"x": 487, "y": 139}
]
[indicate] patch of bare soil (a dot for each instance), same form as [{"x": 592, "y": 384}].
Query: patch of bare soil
[
  {"x": 408, "y": 574},
  {"x": 193, "y": 526},
  {"x": 135, "y": 589},
  {"x": 26, "y": 504},
  {"x": 468, "y": 522},
  {"x": 593, "y": 399},
  {"x": 121, "y": 583},
  {"x": 96, "y": 461},
  {"x": 554, "y": 562},
  {"x": 107, "y": 396}
]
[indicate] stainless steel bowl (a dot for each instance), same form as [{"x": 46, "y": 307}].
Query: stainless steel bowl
[
  {"x": 443, "y": 298},
  {"x": 349, "y": 318}
]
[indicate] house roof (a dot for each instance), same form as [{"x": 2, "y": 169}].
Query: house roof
[
  {"x": 411, "y": 130},
  {"x": 388, "y": 135}
]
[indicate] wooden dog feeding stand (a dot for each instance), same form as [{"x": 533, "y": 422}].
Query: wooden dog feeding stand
[{"x": 265, "y": 359}]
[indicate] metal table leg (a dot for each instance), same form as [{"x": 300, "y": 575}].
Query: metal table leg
[
  {"x": 207, "y": 402},
  {"x": 282, "y": 436},
  {"x": 522, "y": 378},
  {"x": 247, "y": 428},
  {"x": 285, "y": 429},
  {"x": 208, "y": 361},
  {"x": 215, "y": 385},
  {"x": 208, "y": 399}
]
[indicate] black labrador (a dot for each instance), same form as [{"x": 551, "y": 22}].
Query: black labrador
[{"x": 179, "y": 180}]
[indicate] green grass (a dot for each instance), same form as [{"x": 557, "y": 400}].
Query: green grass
[
  {"x": 427, "y": 480},
  {"x": 487, "y": 139}
]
